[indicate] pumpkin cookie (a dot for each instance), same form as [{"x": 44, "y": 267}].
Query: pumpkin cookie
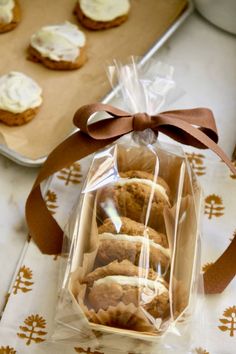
[
  {"x": 102, "y": 14},
  {"x": 137, "y": 196},
  {"x": 9, "y": 15},
  {"x": 20, "y": 98},
  {"x": 122, "y": 238},
  {"x": 126, "y": 283},
  {"x": 58, "y": 47}
]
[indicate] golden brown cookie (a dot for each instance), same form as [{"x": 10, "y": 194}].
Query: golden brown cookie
[
  {"x": 58, "y": 47},
  {"x": 97, "y": 25},
  {"x": 36, "y": 57},
  {"x": 115, "y": 268},
  {"x": 123, "y": 238},
  {"x": 138, "y": 198},
  {"x": 146, "y": 175},
  {"x": 16, "y": 12},
  {"x": 20, "y": 98},
  {"x": 127, "y": 226},
  {"x": 16, "y": 119},
  {"x": 123, "y": 283}
]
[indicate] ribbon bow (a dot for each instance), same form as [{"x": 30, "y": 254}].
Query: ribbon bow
[{"x": 194, "y": 127}]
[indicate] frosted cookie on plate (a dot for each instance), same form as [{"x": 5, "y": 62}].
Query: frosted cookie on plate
[
  {"x": 123, "y": 282},
  {"x": 136, "y": 195},
  {"x": 9, "y": 15},
  {"x": 102, "y": 14},
  {"x": 58, "y": 47},
  {"x": 20, "y": 98},
  {"x": 122, "y": 238}
]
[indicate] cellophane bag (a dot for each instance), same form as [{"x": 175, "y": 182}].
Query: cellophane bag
[{"x": 131, "y": 256}]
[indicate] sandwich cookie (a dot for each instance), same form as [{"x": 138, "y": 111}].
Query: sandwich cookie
[
  {"x": 9, "y": 15},
  {"x": 58, "y": 47},
  {"x": 137, "y": 196},
  {"x": 128, "y": 284},
  {"x": 102, "y": 14},
  {"x": 20, "y": 98},
  {"x": 122, "y": 238}
]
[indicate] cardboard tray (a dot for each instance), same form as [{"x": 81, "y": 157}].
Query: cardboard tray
[{"x": 147, "y": 28}]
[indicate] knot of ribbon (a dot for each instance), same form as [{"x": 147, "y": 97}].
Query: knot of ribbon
[
  {"x": 141, "y": 121},
  {"x": 195, "y": 127}
]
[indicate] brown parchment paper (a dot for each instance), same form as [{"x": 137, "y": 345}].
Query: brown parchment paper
[{"x": 65, "y": 91}]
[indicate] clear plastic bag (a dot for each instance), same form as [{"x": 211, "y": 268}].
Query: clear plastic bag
[{"x": 131, "y": 271}]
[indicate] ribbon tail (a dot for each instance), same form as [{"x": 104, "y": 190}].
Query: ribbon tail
[
  {"x": 220, "y": 274},
  {"x": 215, "y": 148},
  {"x": 44, "y": 229}
]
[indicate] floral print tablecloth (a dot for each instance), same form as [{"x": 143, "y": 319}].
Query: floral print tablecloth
[{"x": 29, "y": 312}]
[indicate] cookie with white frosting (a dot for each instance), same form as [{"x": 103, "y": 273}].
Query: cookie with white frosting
[
  {"x": 20, "y": 98},
  {"x": 9, "y": 15},
  {"x": 136, "y": 195},
  {"x": 58, "y": 47},
  {"x": 102, "y": 14},
  {"x": 122, "y": 238},
  {"x": 124, "y": 282}
]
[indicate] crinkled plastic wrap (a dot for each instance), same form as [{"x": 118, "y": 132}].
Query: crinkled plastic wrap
[{"x": 132, "y": 271}]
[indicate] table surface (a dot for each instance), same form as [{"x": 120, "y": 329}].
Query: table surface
[{"x": 205, "y": 70}]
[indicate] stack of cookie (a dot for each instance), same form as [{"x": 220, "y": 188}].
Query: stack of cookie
[{"x": 131, "y": 267}]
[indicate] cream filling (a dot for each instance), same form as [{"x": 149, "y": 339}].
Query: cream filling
[
  {"x": 154, "y": 285},
  {"x": 19, "y": 92},
  {"x": 140, "y": 239},
  {"x": 59, "y": 42},
  {"x": 156, "y": 186},
  {"x": 6, "y": 13},
  {"x": 104, "y": 10}
]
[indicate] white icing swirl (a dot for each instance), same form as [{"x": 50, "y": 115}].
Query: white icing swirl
[
  {"x": 104, "y": 10},
  {"x": 6, "y": 13},
  {"x": 138, "y": 239},
  {"x": 59, "y": 42},
  {"x": 19, "y": 92}
]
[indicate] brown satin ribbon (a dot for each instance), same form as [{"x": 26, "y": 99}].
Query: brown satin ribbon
[{"x": 194, "y": 127}]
